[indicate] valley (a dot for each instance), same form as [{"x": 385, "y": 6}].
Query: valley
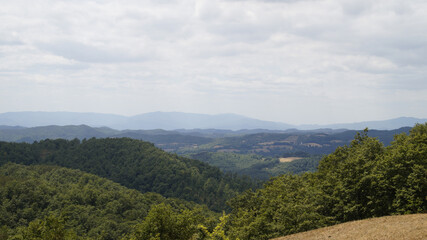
[
  {"x": 213, "y": 120},
  {"x": 80, "y": 182},
  {"x": 255, "y": 153}
]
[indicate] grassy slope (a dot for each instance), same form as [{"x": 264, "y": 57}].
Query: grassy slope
[{"x": 412, "y": 226}]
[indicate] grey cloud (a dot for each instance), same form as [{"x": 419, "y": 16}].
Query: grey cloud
[
  {"x": 56, "y": 68},
  {"x": 86, "y": 53},
  {"x": 8, "y": 39},
  {"x": 356, "y": 7},
  {"x": 160, "y": 53},
  {"x": 243, "y": 32},
  {"x": 273, "y": 1},
  {"x": 412, "y": 82},
  {"x": 10, "y": 42},
  {"x": 403, "y": 50}
]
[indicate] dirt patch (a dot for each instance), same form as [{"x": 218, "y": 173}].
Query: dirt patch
[{"x": 289, "y": 159}]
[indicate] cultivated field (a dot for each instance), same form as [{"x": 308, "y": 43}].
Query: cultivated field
[{"x": 289, "y": 159}]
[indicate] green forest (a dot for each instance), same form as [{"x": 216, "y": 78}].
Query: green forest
[
  {"x": 258, "y": 166},
  {"x": 254, "y": 153},
  {"x": 135, "y": 164},
  {"x": 69, "y": 189},
  {"x": 50, "y": 202}
]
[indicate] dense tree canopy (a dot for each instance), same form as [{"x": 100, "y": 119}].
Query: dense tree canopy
[
  {"x": 361, "y": 180},
  {"x": 135, "y": 164},
  {"x": 71, "y": 202}
]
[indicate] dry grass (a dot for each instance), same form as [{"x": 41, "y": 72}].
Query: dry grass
[
  {"x": 412, "y": 227},
  {"x": 289, "y": 159}
]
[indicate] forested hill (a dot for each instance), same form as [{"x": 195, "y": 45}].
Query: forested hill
[
  {"x": 135, "y": 164},
  {"x": 45, "y": 202},
  {"x": 361, "y": 180},
  {"x": 264, "y": 142},
  {"x": 281, "y": 144},
  {"x": 364, "y": 179}
]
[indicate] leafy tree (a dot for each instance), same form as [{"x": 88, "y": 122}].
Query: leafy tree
[
  {"x": 50, "y": 228},
  {"x": 361, "y": 180},
  {"x": 219, "y": 231},
  {"x": 135, "y": 164},
  {"x": 93, "y": 207},
  {"x": 287, "y": 204},
  {"x": 163, "y": 222},
  {"x": 4, "y": 233},
  {"x": 403, "y": 172},
  {"x": 348, "y": 177}
]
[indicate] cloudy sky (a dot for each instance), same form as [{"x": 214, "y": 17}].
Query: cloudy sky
[{"x": 294, "y": 61}]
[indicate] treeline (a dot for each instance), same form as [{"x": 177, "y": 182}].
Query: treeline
[
  {"x": 49, "y": 202},
  {"x": 361, "y": 180},
  {"x": 135, "y": 164}
]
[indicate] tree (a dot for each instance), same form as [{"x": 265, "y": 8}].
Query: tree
[
  {"x": 4, "y": 233},
  {"x": 219, "y": 231},
  {"x": 403, "y": 172},
  {"x": 162, "y": 222},
  {"x": 49, "y": 228}
]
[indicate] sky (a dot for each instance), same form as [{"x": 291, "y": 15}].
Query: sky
[{"x": 292, "y": 61}]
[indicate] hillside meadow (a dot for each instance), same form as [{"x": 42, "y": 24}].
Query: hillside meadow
[{"x": 412, "y": 226}]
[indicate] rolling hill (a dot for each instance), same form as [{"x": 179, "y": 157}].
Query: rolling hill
[
  {"x": 247, "y": 152},
  {"x": 135, "y": 164},
  {"x": 281, "y": 144},
  {"x": 361, "y": 180},
  {"x": 267, "y": 143},
  {"x": 86, "y": 204},
  {"x": 358, "y": 181}
]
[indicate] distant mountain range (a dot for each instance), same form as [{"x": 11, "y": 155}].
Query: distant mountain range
[
  {"x": 178, "y": 120},
  {"x": 379, "y": 125}
]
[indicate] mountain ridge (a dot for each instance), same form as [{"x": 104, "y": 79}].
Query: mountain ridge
[
  {"x": 180, "y": 120},
  {"x": 379, "y": 124}
]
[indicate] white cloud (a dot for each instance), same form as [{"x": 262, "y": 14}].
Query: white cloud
[{"x": 312, "y": 58}]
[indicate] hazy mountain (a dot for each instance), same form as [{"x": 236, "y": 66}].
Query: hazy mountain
[
  {"x": 178, "y": 120},
  {"x": 154, "y": 120},
  {"x": 394, "y": 123},
  {"x": 34, "y": 119},
  {"x": 5, "y": 127},
  {"x": 54, "y": 132}
]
